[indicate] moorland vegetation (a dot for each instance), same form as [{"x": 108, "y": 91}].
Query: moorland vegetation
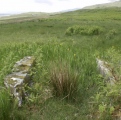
[{"x": 66, "y": 83}]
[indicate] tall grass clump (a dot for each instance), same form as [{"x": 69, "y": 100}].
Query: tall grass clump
[
  {"x": 8, "y": 107},
  {"x": 5, "y": 104},
  {"x": 84, "y": 30},
  {"x": 64, "y": 81}
]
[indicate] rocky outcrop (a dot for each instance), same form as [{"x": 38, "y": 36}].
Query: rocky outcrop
[
  {"x": 105, "y": 71},
  {"x": 20, "y": 77}
]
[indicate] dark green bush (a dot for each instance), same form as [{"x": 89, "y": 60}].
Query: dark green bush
[
  {"x": 95, "y": 30},
  {"x": 111, "y": 34},
  {"x": 70, "y": 31},
  {"x": 84, "y": 30}
]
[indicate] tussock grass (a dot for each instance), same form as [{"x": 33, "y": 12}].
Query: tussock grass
[{"x": 64, "y": 81}]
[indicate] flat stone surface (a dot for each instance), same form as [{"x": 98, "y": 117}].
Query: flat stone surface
[{"x": 24, "y": 64}]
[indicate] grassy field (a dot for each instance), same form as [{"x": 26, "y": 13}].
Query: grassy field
[
  {"x": 107, "y": 5},
  {"x": 60, "y": 56}
]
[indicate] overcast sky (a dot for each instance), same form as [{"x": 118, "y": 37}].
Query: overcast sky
[{"x": 20, "y": 6}]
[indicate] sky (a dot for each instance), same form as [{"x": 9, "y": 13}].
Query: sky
[{"x": 21, "y": 6}]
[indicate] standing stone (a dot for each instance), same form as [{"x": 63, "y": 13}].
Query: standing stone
[{"x": 19, "y": 77}]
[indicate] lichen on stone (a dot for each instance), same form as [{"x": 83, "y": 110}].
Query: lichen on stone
[{"x": 19, "y": 77}]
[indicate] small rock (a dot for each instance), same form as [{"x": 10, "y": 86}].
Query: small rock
[{"x": 105, "y": 71}]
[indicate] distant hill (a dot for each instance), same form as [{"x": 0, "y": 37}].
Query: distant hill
[
  {"x": 22, "y": 17},
  {"x": 2, "y": 15},
  {"x": 29, "y": 14},
  {"x": 107, "y": 5}
]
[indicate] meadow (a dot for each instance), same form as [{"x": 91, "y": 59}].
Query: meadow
[{"x": 65, "y": 47}]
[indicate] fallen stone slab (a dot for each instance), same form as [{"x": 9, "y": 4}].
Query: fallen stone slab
[
  {"x": 20, "y": 77},
  {"x": 105, "y": 71}
]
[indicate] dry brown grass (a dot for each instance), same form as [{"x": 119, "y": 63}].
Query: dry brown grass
[{"x": 64, "y": 81}]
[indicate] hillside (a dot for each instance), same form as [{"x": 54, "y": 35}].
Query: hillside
[
  {"x": 107, "y": 5},
  {"x": 23, "y": 17},
  {"x": 65, "y": 82}
]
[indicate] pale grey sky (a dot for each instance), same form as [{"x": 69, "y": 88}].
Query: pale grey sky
[{"x": 20, "y": 6}]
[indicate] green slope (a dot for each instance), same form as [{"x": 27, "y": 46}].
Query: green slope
[{"x": 107, "y": 5}]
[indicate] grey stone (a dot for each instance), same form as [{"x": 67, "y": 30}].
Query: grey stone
[
  {"x": 105, "y": 71},
  {"x": 20, "y": 76}
]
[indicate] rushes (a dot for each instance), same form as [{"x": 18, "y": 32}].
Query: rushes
[
  {"x": 64, "y": 81},
  {"x": 5, "y": 105}
]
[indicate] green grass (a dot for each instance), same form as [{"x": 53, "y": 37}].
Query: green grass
[
  {"x": 5, "y": 106},
  {"x": 46, "y": 40},
  {"x": 107, "y": 5}
]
